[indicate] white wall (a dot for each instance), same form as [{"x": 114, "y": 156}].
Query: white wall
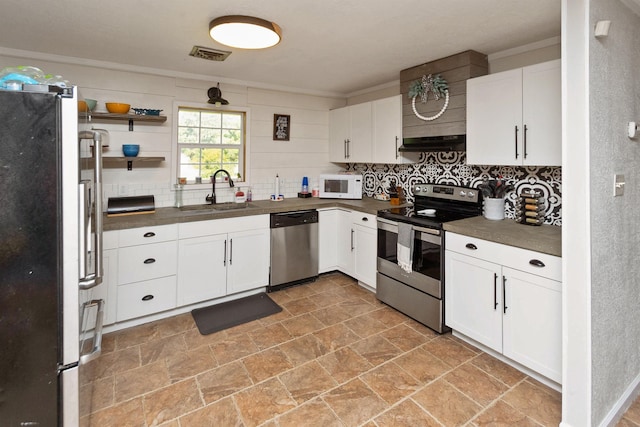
[{"x": 305, "y": 154}]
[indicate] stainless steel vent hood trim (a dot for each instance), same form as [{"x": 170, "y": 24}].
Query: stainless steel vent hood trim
[{"x": 434, "y": 143}]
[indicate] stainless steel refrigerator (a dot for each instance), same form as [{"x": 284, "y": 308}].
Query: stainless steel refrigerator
[{"x": 50, "y": 256}]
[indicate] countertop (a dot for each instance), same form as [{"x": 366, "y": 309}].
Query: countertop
[
  {"x": 171, "y": 215},
  {"x": 546, "y": 239}
]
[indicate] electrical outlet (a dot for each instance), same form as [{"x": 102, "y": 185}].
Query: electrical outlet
[{"x": 618, "y": 185}]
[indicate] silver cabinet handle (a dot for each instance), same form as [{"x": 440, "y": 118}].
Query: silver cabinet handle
[
  {"x": 524, "y": 142},
  {"x": 97, "y": 332},
  {"x": 352, "y": 245},
  {"x": 230, "y": 251},
  {"x": 495, "y": 291},
  {"x": 397, "y": 153},
  {"x": 224, "y": 260}
]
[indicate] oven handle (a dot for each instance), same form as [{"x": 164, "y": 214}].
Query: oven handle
[{"x": 433, "y": 231}]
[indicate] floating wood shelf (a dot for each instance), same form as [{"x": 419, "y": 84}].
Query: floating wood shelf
[
  {"x": 129, "y": 117},
  {"x": 129, "y": 161}
]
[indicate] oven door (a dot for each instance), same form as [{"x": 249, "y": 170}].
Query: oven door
[{"x": 426, "y": 257}]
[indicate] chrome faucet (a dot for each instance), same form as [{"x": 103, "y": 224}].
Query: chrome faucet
[{"x": 212, "y": 198}]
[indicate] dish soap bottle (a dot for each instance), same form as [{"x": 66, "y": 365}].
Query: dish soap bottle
[
  {"x": 240, "y": 198},
  {"x": 249, "y": 195}
]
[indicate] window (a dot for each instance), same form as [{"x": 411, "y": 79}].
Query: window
[{"x": 209, "y": 140}]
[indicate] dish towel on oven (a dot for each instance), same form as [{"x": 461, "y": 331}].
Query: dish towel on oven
[{"x": 405, "y": 246}]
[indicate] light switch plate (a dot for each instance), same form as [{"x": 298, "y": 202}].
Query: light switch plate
[{"x": 618, "y": 185}]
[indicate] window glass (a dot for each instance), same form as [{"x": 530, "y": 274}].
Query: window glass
[{"x": 208, "y": 141}]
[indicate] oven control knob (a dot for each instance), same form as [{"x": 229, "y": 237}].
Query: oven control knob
[
  {"x": 471, "y": 194},
  {"x": 418, "y": 189},
  {"x": 463, "y": 193}
]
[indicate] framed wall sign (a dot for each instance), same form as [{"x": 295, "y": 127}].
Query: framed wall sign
[{"x": 281, "y": 127}]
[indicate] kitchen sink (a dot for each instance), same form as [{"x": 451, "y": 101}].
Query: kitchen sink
[{"x": 227, "y": 206}]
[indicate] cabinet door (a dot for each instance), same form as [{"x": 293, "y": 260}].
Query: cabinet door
[
  {"x": 365, "y": 243},
  {"x": 359, "y": 147},
  {"x": 327, "y": 240},
  {"x": 542, "y": 115},
  {"x": 532, "y": 323},
  {"x": 494, "y": 113},
  {"x": 202, "y": 269},
  {"x": 345, "y": 236},
  {"x": 338, "y": 134},
  {"x": 249, "y": 258},
  {"x": 473, "y": 303},
  {"x": 387, "y": 130}
]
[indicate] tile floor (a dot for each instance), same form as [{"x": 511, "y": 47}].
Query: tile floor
[{"x": 334, "y": 356}]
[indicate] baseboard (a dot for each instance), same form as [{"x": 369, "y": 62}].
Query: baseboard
[{"x": 622, "y": 405}]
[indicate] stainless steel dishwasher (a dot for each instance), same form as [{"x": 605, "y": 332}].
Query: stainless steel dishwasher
[{"x": 294, "y": 248}]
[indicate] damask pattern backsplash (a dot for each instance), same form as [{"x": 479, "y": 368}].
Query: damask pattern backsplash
[{"x": 451, "y": 168}]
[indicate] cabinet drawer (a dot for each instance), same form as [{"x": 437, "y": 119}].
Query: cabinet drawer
[
  {"x": 477, "y": 248},
  {"x": 364, "y": 219},
  {"x": 146, "y": 235},
  {"x": 543, "y": 265},
  {"x": 144, "y": 298},
  {"x": 537, "y": 263},
  {"x": 146, "y": 262}
]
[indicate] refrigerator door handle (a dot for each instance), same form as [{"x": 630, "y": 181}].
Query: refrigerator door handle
[
  {"x": 97, "y": 332},
  {"x": 88, "y": 281}
]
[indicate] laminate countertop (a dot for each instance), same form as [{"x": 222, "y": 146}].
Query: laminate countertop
[
  {"x": 171, "y": 215},
  {"x": 546, "y": 239}
]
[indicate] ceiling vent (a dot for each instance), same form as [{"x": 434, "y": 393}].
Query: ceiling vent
[{"x": 209, "y": 54}]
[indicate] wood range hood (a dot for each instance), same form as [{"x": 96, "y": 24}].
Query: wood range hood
[{"x": 447, "y": 132}]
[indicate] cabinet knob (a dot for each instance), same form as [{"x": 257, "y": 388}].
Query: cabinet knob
[
  {"x": 147, "y": 298},
  {"x": 149, "y": 234},
  {"x": 149, "y": 260},
  {"x": 471, "y": 246},
  {"x": 536, "y": 263}
]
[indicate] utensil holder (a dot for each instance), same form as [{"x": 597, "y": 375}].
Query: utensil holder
[{"x": 494, "y": 208}]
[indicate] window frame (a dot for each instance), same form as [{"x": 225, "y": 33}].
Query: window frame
[{"x": 175, "y": 147}]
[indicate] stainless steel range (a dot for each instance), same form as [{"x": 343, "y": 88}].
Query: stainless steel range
[{"x": 419, "y": 292}]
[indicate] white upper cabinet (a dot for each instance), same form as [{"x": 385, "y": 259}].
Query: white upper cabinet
[
  {"x": 387, "y": 131},
  {"x": 350, "y": 134},
  {"x": 370, "y": 132},
  {"x": 514, "y": 117}
]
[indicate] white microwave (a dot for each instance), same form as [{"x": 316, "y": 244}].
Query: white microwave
[{"x": 340, "y": 186}]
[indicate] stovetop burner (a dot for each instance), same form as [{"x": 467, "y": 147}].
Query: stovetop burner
[{"x": 437, "y": 204}]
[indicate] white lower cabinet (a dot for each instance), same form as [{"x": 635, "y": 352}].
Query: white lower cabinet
[
  {"x": 327, "y": 240},
  {"x": 348, "y": 243},
  {"x": 222, "y": 257},
  {"x": 147, "y": 265},
  {"x": 202, "y": 269},
  {"x": 508, "y": 299},
  {"x": 365, "y": 238}
]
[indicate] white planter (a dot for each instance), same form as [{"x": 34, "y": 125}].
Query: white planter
[{"x": 494, "y": 208}]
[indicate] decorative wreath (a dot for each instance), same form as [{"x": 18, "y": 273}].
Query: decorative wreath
[{"x": 421, "y": 88}]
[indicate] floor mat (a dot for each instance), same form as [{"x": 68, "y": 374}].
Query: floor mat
[{"x": 233, "y": 313}]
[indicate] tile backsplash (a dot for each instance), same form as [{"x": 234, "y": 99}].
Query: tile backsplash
[
  {"x": 451, "y": 168},
  {"x": 432, "y": 168}
]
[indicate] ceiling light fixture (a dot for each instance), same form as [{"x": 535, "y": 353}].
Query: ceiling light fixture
[
  {"x": 245, "y": 32},
  {"x": 215, "y": 96}
]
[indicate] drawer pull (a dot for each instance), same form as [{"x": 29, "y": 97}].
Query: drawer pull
[
  {"x": 149, "y": 260},
  {"x": 149, "y": 234},
  {"x": 471, "y": 246},
  {"x": 536, "y": 263},
  {"x": 365, "y": 219},
  {"x": 147, "y": 298}
]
